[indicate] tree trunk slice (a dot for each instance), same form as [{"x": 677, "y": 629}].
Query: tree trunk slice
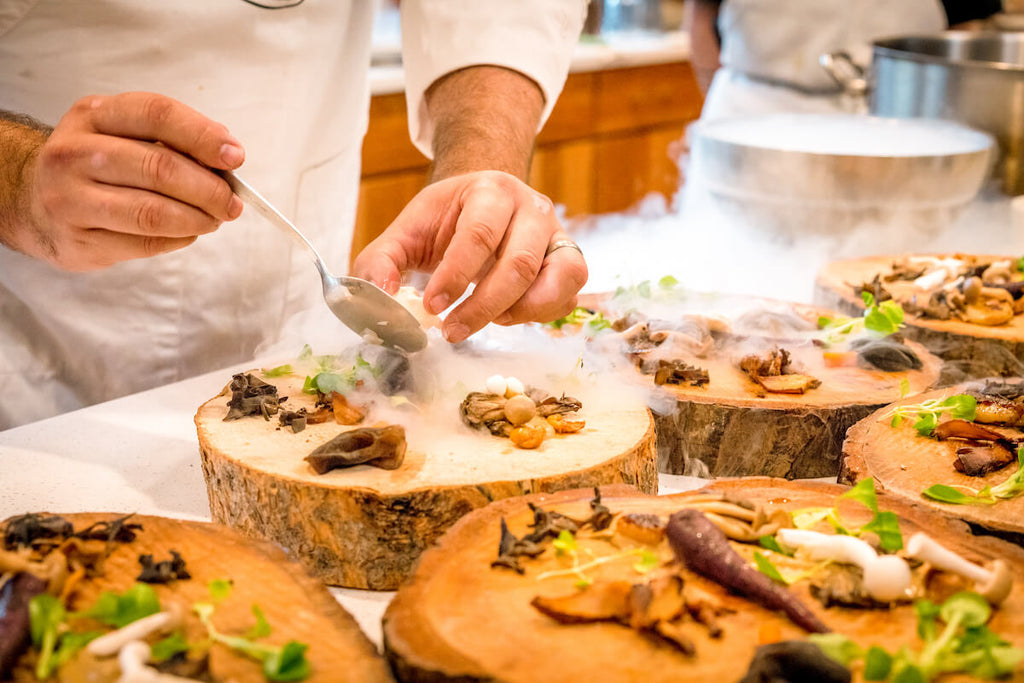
[
  {"x": 457, "y": 619},
  {"x": 731, "y": 427},
  {"x": 972, "y": 351},
  {"x": 904, "y": 464},
  {"x": 364, "y": 527},
  {"x": 296, "y": 606}
]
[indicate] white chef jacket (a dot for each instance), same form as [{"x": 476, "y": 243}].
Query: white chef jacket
[
  {"x": 291, "y": 84},
  {"x": 770, "y": 50}
]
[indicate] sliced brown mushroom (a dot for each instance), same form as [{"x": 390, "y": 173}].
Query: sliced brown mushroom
[
  {"x": 788, "y": 384},
  {"x": 601, "y": 601},
  {"x": 661, "y": 599},
  {"x": 962, "y": 429},
  {"x": 382, "y": 447},
  {"x": 977, "y": 460}
]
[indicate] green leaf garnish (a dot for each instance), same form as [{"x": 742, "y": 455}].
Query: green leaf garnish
[
  {"x": 594, "y": 321},
  {"x": 765, "y": 566},
  {"x": 927, "y": 413},
  {"x": 261, "y": 629},
  {"x": 667, "y": 282},
  {"x": 168, "y": 647},
  {"x": 284, "y": 663},
  {"x": 1009, "y": 488},
  {"x": 565, "y": 543},
  {"x": 118, "y": 610},
  {"x": 278, "y": 371},
  {"x": 219, "y": 589},
  {"x": 648, "y": 562},
  {"x": 770, "y": 543},
  {"x": 884, "y": 524},
  {"x": 289, "y": 663},
  {"x": 877, "y": 664},
  {"x": 837, "y": 647}
]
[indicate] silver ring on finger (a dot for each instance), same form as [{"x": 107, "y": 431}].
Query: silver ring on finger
[{"x": 562, "y": 244}]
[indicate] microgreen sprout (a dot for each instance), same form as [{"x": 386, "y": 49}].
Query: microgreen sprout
[
  {"x": 927, "y": 413},
  {"x": 1011, "y": 487},
  {"x": 881, "y": 319},
  {"x": 884, "y": 524},
  {"x": 566, "y": 546},
  {"x": 592, "y": 321}
]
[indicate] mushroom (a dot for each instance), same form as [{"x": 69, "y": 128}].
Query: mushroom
[
  {"x": 132, "y": 659},
  {"x": 111, "y": 643},
  {"x": 520, "y": 409},
  {"x": 997, "y": 273},
  {"x": 993, "y": 584},
  {"x": 382, "y": 447},
  {"x": 886, "y": 577}
]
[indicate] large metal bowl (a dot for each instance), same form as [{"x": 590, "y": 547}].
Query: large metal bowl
[{"x": 823, "y": 173}]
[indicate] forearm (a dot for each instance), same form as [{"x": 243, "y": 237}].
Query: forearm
[
  {"x": 704, "y": 46},
  {"x": 20, "y": 140},
  {"x": 485, "y": 118}
]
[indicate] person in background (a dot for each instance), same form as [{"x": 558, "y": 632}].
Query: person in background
[
  {"x": 116, "y": 273},
  {"x": 761, "y": 56}
]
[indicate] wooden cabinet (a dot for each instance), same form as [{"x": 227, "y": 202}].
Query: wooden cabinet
[{"x": 605, "y": 146}]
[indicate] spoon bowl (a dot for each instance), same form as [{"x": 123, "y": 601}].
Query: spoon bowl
[{"x": 361, "y": 305}]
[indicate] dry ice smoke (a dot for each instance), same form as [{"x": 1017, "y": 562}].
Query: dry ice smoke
[{"x": 709, "y": 244}]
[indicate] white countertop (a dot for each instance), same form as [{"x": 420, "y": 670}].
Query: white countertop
[
  {"x": 613, "y": 51},
  {"x": 140, "y": 454}
]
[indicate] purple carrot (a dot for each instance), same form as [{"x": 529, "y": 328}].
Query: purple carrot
[
  {"x": 14, "y": 619},
  {"x": 704, "y": 549}
]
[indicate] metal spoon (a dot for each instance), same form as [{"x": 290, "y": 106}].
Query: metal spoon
[{"x": 361, "y": 305}]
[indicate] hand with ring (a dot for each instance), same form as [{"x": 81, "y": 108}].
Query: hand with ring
[{"x": 489, "y": 228}]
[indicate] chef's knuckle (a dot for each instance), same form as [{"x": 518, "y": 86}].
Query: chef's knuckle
[
  {"x": 480, "y": 236},
  {"x": 157, "y": 109},
  {"x": 524, "y": 264},
  {"x": 153, "y": 245},
  {"x": 220, "y": 196},
  {"x": 148, "y": 214},
  {"x": 158, "y": 166},
  {"x": 575, "y": 274}
]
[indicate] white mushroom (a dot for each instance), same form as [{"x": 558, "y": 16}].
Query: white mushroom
[
  {"x": 111, "y": 643},
  {"x": 513, "y": 386},
  {"x": 496, "y": 384},
  {"x": 886, "y": 577},
  {"x": 992, "y": 584},
  {"x": 132, "y": 659}
]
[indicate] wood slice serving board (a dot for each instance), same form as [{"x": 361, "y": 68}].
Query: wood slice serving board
[
  {"x": 975, "y": 351},
  {"x": 296, "y": 606},
  {"x": 364, "y": 527},
  {"x": 731, "y": 427},
  {"x": 459, "y": 619},
  {"x": 903, "y": 463}
]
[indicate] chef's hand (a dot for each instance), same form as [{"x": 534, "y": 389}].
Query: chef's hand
[
  {"x": 124, "y": 177},
  {"x": 486, "y": 227}
]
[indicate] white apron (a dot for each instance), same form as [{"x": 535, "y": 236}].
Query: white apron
[
  {"x": 291, "y": 84},
  {"x": 68, "y": 340},
  {"x": 770, "y": 50}
]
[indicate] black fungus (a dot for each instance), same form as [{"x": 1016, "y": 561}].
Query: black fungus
[
  {"x": 252, "y": 396},
  {"x": 510, "y": 549},
  {"x": 294, "y": 419},
  {"x": 118, "y": 530},
  {"x": 794, "y": 661},
  {"x": 24, "y": 530},
  {"x": 382, "y": 447},
  {"x": 886, "y": 354},
  {"x": 163, "y": 571},
  {"x": 548, "y": 524}
]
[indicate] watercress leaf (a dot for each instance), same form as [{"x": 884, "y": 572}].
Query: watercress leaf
[
  {"x": 648, "y": 561},
  {"x": 947, "y": 494},
  {"x": 1000, "y": 661},
  {"x": 972, "y": 609},
  {"x": 864, "y": 492},
  {"x": 278, "y": 371},
  {"x": 927, "y": 614},
  {"x": 219, "y": 589},
  {"x": 837, "y": 647},
  {"x": 908, "y": 673},
  {"x": 326, "y": 382},
  {"x": 565, "y": 543},
  {"x": 70, "y": 643},
  {"x": 979, "y": 638},
  {"x": 770, "y": 543},
  {"x": 868, "y": 298},
  {"x": 203, "y": 610},
  {"x": 45, "y": 614},
  {"x": 309, "y": 385},
  {"x": 886, "y": 525},
  {"x": 668, "y": 282},
  {"x": 896, "y": 421},
  {"x": 877, "y": 664},
  {"x": 904, "y": 390},
  {"x": 925, "y": 423},
  {"x": 765, "y": 566},
  {"x": 877, "y": 321},
  {"x": 962, "y": 406},
  {"x": 824, "y": 322},
  {"x": 306, "y": 353},
  {"x": 112, "y": 609},
  {"x": 287, "y": 664},
  {"x": 893, "y": 311},
  {"x": 261, "y": 629},
  {"x": 167, "y": 647}
]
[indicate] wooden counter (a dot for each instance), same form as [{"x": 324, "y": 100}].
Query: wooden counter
[{"x": 605, "y": 146}]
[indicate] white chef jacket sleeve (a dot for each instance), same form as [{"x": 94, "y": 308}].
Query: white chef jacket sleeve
[{"x": 533, "y": 37}]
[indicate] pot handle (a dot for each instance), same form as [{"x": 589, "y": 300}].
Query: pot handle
[{"x": 844, "y": 71}]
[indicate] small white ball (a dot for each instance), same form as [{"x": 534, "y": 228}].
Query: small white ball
[
  {"x": 513, "y": 387},
  {"x": 496, "y": 384}
]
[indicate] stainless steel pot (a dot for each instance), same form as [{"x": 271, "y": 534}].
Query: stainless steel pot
[{"x": 973, "y": 78}]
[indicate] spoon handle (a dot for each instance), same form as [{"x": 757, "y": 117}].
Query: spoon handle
[{"x": 253, "y": 198}]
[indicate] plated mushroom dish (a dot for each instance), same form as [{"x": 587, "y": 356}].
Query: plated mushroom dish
[{"x": 748, "y": 580}]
